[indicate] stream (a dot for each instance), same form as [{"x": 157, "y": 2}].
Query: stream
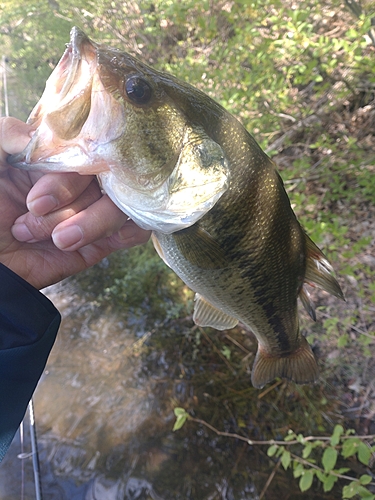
[{"x": 104, "y": 413}]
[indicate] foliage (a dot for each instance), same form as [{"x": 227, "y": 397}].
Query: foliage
[
  {"x": 181, "y": 417},
  {"x": 300, "y": 77},
  {"x": 319, "y": 458},
  {"x": 313, "y": 457},
  {"x": 268, "y": 51}
]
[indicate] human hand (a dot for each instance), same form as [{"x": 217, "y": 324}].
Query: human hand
[{"x": 70, "y": 224}]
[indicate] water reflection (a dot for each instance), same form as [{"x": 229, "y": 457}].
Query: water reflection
[{"x": 104, "y": 411}]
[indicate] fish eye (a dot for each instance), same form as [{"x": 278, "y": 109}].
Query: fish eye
[{"x": 138, "y": 90}]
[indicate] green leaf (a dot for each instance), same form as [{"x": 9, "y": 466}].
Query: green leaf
[
  {"x": 350, "y": 447},
  {"x": 272, "y": 450},
  {"x": 307, "y": 450},
  {"x": 350, "y": 490},
  {"x": 182, "y": 416},
  {"x": 329, "y": 459},
  {"x": 179, "y": 412},
  {"x": 299, "y": 470},
  {"x": 366, "y": 495},
  {"x": 285, "y": 459},
  {"x": 317, "y": 443},
  {"x": 306, "y": 480},
  {"x": 355, "y": 488},
  {"x": 321, "y": 476},
  {"x": 343, "y": 340},
  {"x": 342, "y": 470},
  {"x": 290, "y": 436},
  {"x": 301, "y": 438},
  {"x": 337, "y": 432},
  {"x": 364, "y": 453},
  {"x": 365, "y": 479},
  {"x": 225, "y": 351},
  {"x": 179, "y": 423},
  {"x": 329, "y": 482}
]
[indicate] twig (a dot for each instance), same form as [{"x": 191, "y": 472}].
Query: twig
[
  {"x": 297, "y": 458},
  {"x": 269, "y": 480},
  {"x": 292, "y": 132},
  {"x": 353, "y": 327},
  {"x": 361, "y": 332},
  {"x": 273, "y": 441},
  {"x": 319, "y": 176},
  {"x": 234, "y": 341},
  {"x": 217, "y": 351},
  {"x": 313, "y": 466},
  {"x": 356, "y": 9},
  {"x": 269, "y": 389}
]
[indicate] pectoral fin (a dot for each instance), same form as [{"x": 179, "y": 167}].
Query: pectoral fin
[
  {"x": 199, "y": 248},
  {"x": 205, "y": 314},
  {"x": 299, "y": 366}
]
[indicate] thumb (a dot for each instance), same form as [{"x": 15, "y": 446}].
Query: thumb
[{"x": 14, "y": 137}]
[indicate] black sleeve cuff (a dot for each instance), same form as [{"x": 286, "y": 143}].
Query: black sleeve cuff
[
  {"x": 28, "y": 326},
  {"x": 25, "y": 313}
]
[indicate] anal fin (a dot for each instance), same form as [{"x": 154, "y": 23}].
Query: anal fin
[
  {"x": 299, "y": 366},
  {"x": 205, "y": 314}
]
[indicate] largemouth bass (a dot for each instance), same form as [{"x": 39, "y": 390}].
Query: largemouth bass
[{"x": 178, "y": 163}]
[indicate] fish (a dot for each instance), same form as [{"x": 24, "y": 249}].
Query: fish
[{"x": 176, "y": 162}]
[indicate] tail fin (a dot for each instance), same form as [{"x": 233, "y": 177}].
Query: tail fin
[
  {"x": 319, "y": 270},
  {"x": 299, "y": 366}
]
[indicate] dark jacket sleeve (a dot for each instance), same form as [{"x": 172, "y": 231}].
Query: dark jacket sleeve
[{"x": 28, "y": 328}]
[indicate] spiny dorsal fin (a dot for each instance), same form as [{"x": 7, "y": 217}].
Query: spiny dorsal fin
[
  {"x": 199, "y": 248},
  {"x": 205, "y": 314},
  {"x": 300, "y": 366},
  {"x": 319, "y": 270}
]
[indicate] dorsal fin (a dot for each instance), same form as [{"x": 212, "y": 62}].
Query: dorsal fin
[{"x": 319, "y": 270}]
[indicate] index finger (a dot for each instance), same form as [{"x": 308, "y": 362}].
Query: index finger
[{"x": 56, "y": 190}]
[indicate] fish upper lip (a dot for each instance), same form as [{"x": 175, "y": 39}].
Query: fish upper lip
[
  {"x": 77, "y": 36},
  {"x": 72, "y": 57}
]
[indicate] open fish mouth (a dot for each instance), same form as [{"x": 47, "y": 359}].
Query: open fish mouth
[
  {"x": 63, "y": 111},
  {"x": 70, "y": 79}
]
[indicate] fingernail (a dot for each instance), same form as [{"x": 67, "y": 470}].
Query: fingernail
[
  {"x": 22, "y": 233},
  {"x": 42, "y": 205},
  {"x": 67, "y": 237}
]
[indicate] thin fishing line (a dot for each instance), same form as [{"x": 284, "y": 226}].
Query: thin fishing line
[{"x": 35, "y": 454}]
